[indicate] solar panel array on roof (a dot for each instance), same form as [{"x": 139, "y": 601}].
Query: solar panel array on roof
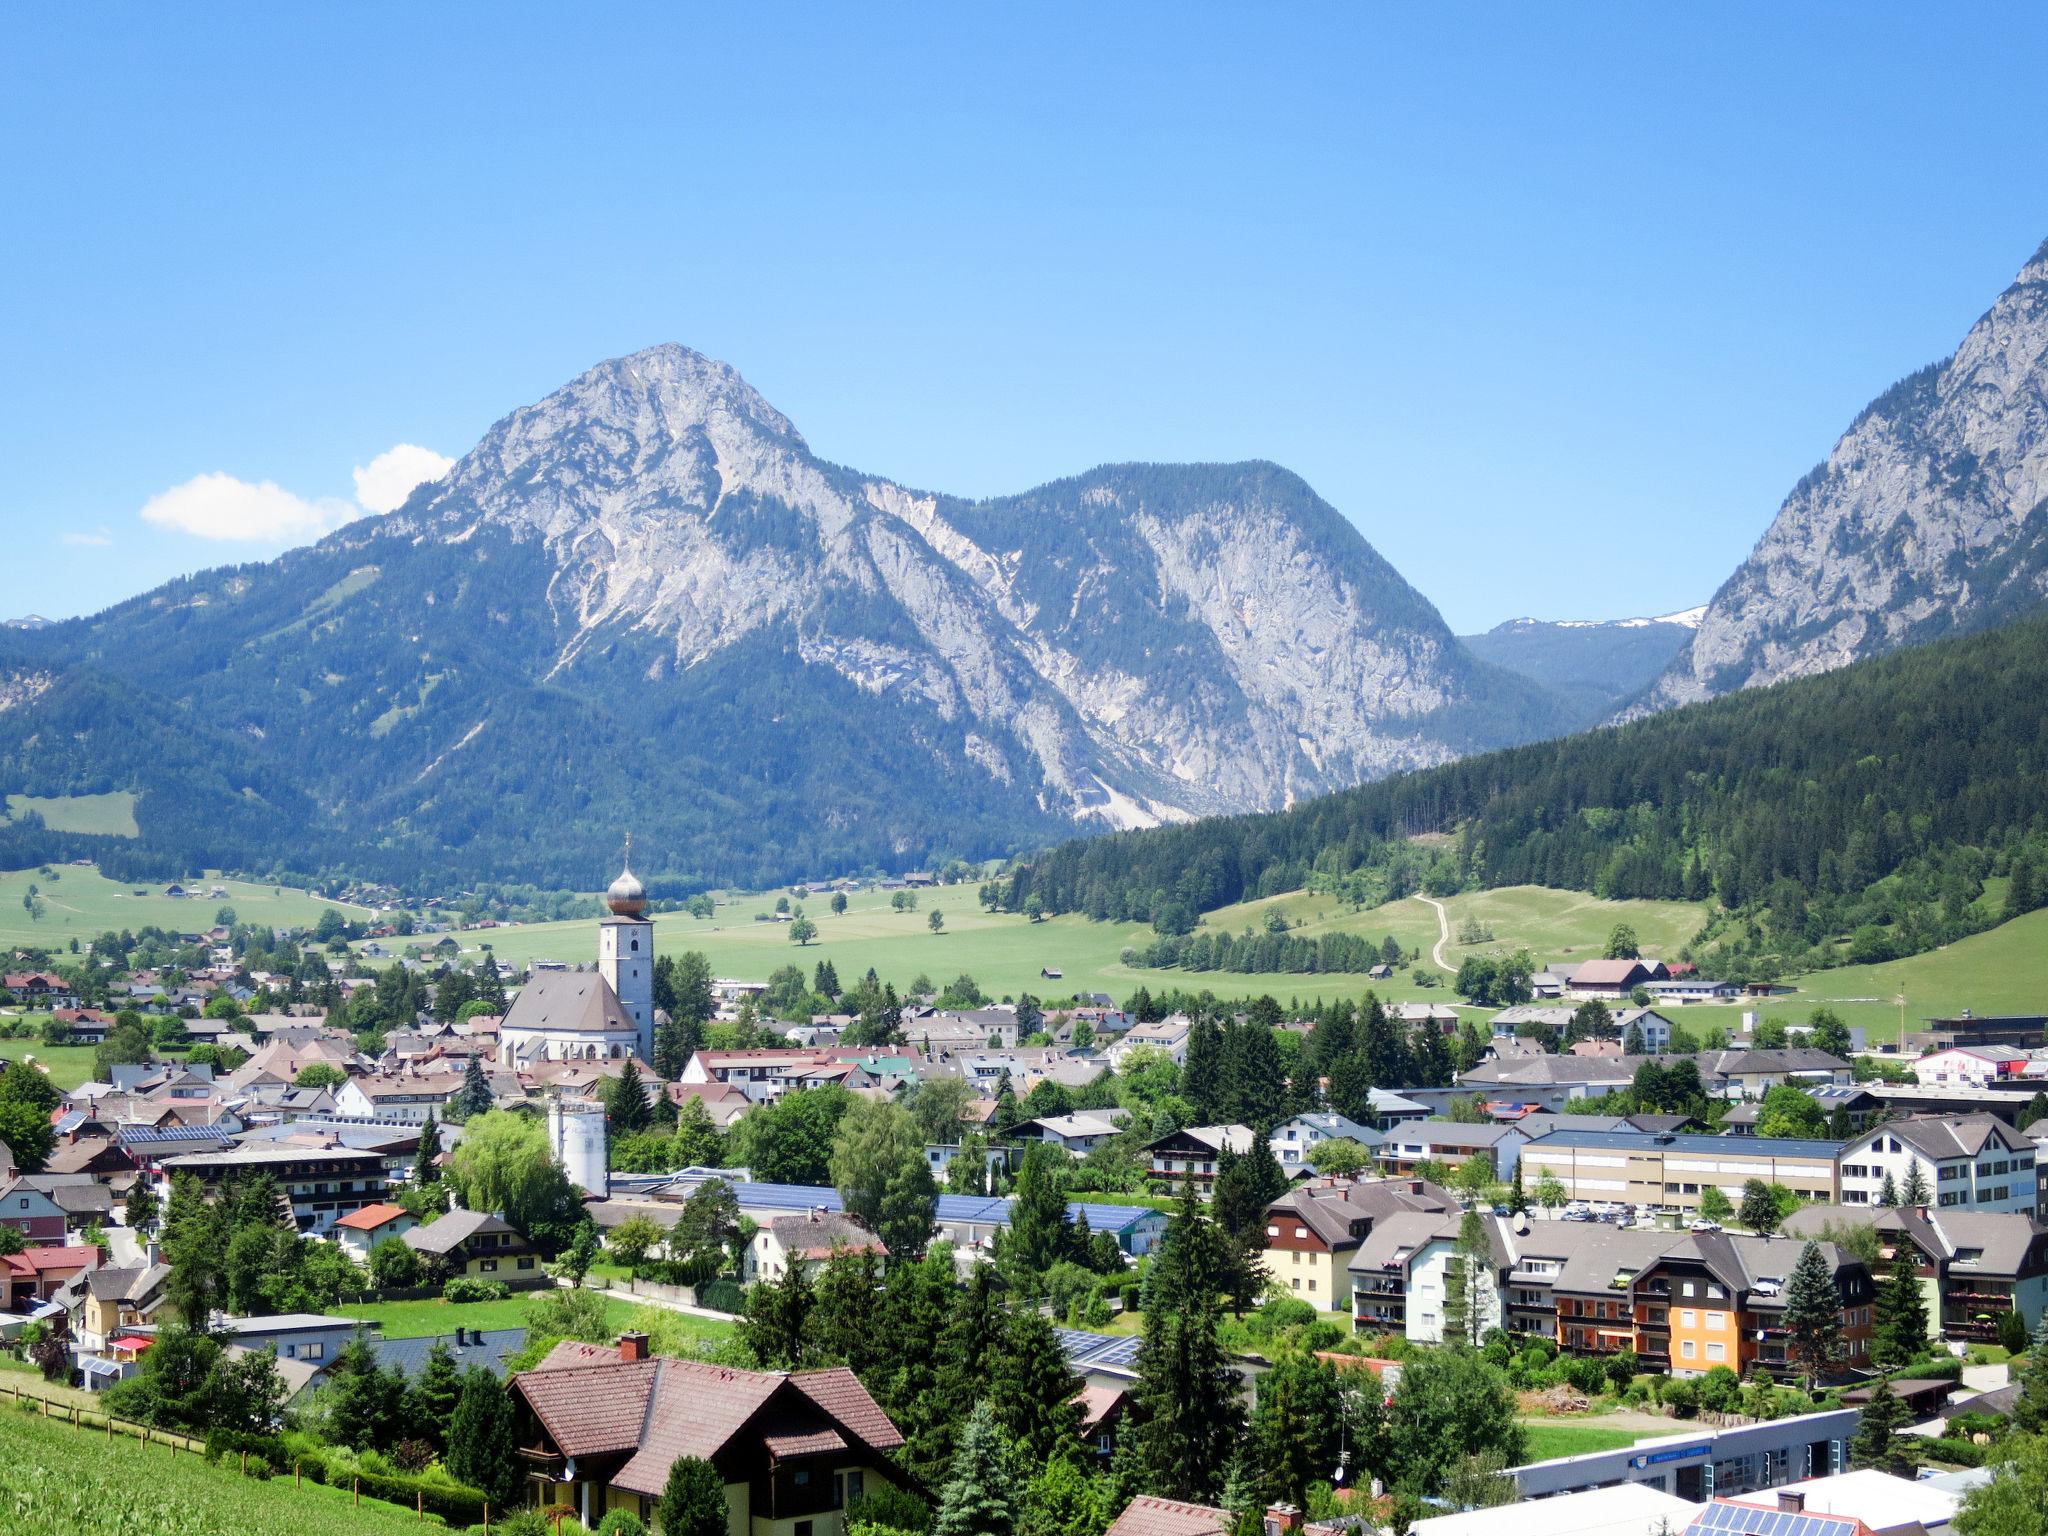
[
  {"x": 974, "y": 1210},
  {"x": 1088, "y": 1351},
  {"x": 1750, "y": 1520},
  {"x": 154, "y": 1135}
]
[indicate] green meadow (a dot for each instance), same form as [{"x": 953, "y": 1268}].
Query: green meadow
[
  {"x": 108, "y": 815},
  {"x": 81, "y": 903}
]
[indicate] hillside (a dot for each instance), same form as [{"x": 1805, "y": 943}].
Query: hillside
[
  {"x": 1846, "y": 817},
  {"x": 644, "y": 602},
  {"x": 1929, "y": 517}
]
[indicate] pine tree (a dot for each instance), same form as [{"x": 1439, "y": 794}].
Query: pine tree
[
  {"x": 1468, "y": 1284},
  {"x": 1186, "y": 1393},
  {"x": 1813, "y": 1315},
  {"x": 692, "y": 1501},
  {"x": 426, "y": 1168},
  {"x": 1518, "y": 1197},
  {"x": 1915, "y": 1192},
  {"x": 432, "y": 1397},
  {"x": 474, "y": 1097},
  {"x": 981, "y": 1496},
  {"x": 775, "y": 1316},
  {"x": 1294, "y": 1429},
  {"x": 1031, "y": 1389},
  {"x": 1201, "y": 1074},
  {"x": 1038, "y": 1214},
  {"x": 913, "y": 1313},
  {"x": 1888, "y": 1192},
  {"x": 1901, "y": 1331},
  {"x": 841, "y": 1324},
  {"x": 625, "y": 1101},
  {"x": 1874, "y": 1444}
]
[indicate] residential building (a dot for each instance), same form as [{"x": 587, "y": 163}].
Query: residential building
[
  {"x": 1652, "y": 1025},
  {"x": 477, "y": 1243},
  {"x": 1313, "y": 1231},
  {"x": 1292, "y": 1140},
  {"x": 811, "y": 1239},
  {"x": 1167, "y": 1036},
  {"x": 1549, "y": 1082},
  {"x": 1681, "y": 990},
  {"x": 307, "y": 1336},
  {"x": 322, "y": 1183},
  {"x": 32, "y": 1213},
  {"x": 487, "y": 1347},
  {"x": 1969, "y": 1066},
  {"x": 1717, "y": 1299},
  {"x": 602, "y": 1427},
  {"x": 1974, "y": 1266},
  {"x": 1450, "y": 1142},
  {"x": 109, "y": 1301},
  {"x": 1608, "y": 980},
  {"x": 37, "y": 1274},
  {"x": 360, "y": 1231},
  {"x": 1670, "y": 1172},
  {"x": 1968, "y": 1162},
  {"x": 1079, "y": 1133},
  {"x": 1194, "y": 1151},
  {"x": 404, "y": 1098}
]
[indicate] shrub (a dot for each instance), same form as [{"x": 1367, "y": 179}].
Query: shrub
[
  {"x": 468, "y": 1288},
  {"x": 1720, "y": 1390},
  {"x": 885, "y": 1504},
  {"x": 621, "y": 1522},
  {"x": 1960, "y": 1453},
  {"x": 1682, "y": 1397}
]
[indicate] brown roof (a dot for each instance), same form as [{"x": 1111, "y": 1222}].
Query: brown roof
[
  {"x": 1147, "y": 1516},
  {"x": 575, "y": 1001},
  {"x": 593, "y": 1403}
]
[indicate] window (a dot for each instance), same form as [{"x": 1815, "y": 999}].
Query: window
[
  {"x": 1311, "y": 1284},
  {"x": 1717, "y": 1351},
  {"x": 1687, "y": 1318},
  {"x": 526, "y": 1263},
  {"x": 1687, "y": 1290},
  {"x": 1716, "y": 1322},
  {"x": 801, "y": 1477},
  {"x": 1301, "y": 1231},
  {"x": 1296, "y": 1282},
  {"x": 489, "y": 1266},
  {"x": 314, "y": 1352},
  {"x": 1715, "y": 1293},
  {"x": 1685, "y": 1349},
  {"x": 1272, "y": 1231}
]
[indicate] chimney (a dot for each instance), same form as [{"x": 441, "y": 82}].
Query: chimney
[
  {"x": 1791, "y": 1502},
  {"x": 632, "y": 1346},
  {"x": 1282, "y": 1519},
  {"x": 459, "y": 1339}
]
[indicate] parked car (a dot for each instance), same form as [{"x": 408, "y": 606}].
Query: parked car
[{"x": 1706, "y": 1226}]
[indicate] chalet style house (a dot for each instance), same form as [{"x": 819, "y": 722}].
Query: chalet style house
[{"x": 600, "y": 1427}]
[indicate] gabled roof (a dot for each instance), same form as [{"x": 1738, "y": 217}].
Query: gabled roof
[
  {"x": 1943, "y": 1137},
  {"x": 592, "y": 1403},
  {"x": 446, "y": 1233},
  {"x": 572, "y": 1002},
  {"x": 1147, "y": 1516},
  {"x": 371, "y": 1217}
]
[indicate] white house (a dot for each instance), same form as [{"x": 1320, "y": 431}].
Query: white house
[
  {"x": 1079, "y": 1133},
  {"x": 1969, "y": 1066},
  {"x": 360, "y": 1231},
  {"x": 1966, "y": 1162},
  {"x": 1292, "y": 1139},
  {"x": 1168, "y": 1036}
]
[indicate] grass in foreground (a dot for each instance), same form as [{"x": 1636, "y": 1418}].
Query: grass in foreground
[{"x": 60, "y": 1481}]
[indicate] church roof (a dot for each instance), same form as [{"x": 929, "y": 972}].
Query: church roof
[{"x": 568, "y": 1002}]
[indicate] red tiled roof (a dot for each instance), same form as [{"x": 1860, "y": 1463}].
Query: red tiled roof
[
  {"x": 1147, "y": 1516},
  {"x": 839, "y": 1392}
]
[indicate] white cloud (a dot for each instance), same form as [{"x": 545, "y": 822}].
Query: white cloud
[
  {"x": 383, "y": 484},
  {"x": 219, "y": 506},
  {"x": 99, "y": 538}
]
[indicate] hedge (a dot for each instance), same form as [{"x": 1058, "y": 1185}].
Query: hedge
[{"x": 1959, "y": 1453}]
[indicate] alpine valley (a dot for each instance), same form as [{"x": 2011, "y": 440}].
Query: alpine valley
[{"x": 644, "y": 602}]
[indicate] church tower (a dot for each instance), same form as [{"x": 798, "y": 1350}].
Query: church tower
[{"x": 625, "y": 953}]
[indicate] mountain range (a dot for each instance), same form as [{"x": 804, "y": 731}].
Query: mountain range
[{"x": 644, "y": 602}]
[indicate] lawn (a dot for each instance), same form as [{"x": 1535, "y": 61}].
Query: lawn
[
  {"x": 80, "y": 903},
  {"x": 1004, "y": 952},
  {"x": 69, "y": 1065},
  {"x": 112, "y": 815},
  {"x": 60, "y": 1481},
  {"x": 1545, "y": 1441},
  {"x": 418, "y": 1319}
]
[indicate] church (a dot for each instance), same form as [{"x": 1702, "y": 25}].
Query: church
[{"x": 601, "y": 1015}]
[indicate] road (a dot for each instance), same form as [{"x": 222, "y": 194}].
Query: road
[{"x": 1443, "y": 933}]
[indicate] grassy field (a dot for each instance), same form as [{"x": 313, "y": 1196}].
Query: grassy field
[
  {"x": 112, "y": 815},
  {"x": 1005, "y": 953},
  {"x": 69, "y": 1065},
  {"x": 419, "y": 1319},
  {"x": 80, "y": 903},
  {"x": 1573, "y": 1439},
  {"x": 60, "y": 1481}
]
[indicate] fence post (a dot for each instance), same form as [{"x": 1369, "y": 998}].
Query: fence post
[
  {"x": 245, "y": 1463},
  {"x": 297, "y": 1480},
  {"x": 355, "y": 1488},
  {"x": 419, "y": 1504},
  {"x": 487, "y": 1517}
]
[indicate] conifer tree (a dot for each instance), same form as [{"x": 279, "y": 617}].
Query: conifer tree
[
  {"x": 426, "y": 1168},
  {"x": 1469, "y": 1284},
  {"x": 432, "y": 1396},
  {"x": 1038, "y": 1213},
  {"x": 692, "y": 1501},
  {"x": 981, "y": 1496},
  {"x": 1915, "y": 1192},
  {"x": 773, "y": 1324},
  {"x": 841, "y": 1323},
  {"x": 2030, "y": 1410},
  {"x": 1031, "y": 1389},
  {"x": 1888, "y": 1192},
  {"x": 1813, "y": 1315},
  {"x": 914, "y": 1313},
  {"x": 1875, "y": 1443},
  {"x": 1901, "y": 1331},
  {"x": 474, "y": 1097},
  {"x": 625, "y": 1101},
  {"x": 483, "y": 1449},
  {"x": 1294, "y": 1429},
  {"x": 1186, "y": 1393},
  {"x": 1201, "y": 1073}
]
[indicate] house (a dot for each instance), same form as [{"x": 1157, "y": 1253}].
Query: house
[
  {"x": 1881, "y": 1502},
  {"x": 1716, "y": 1299},
  {"x": 361, "y": 1230},
  {"x": 405, "y": 1098},
  {"x": 1549, "y": 1082},
  {"x": 1788, "y": 1517},
  {"x": 1971, "y": 1162},
  {"x": 1450, "y": 1141},
  {"x": 322, "y": 1183},
  {"x": 1969, "y": 1066},
  {"x": 1681, "y": 990},
  {"x": 1314, "y": 1229},
  {"x": 111, "y": 1301},
  {"x": 476, "y": 1243},
  {"x": 487, "y": 1347},
  {"x": 32, "y": 1213},
  {"x": 1609, "y": 980},
  {"x": 601, "y": 1428},
  {"x": 1194, "y": 1151},
  {"x": 1079, "y": 1133},
  {"x": 1102, "y": 1420},
  {"x": 41, "y": 989},
  {"x": 1670, "y": 1171},
  {"x": 1652, "y": 1025},
  {"x": 1292, "y": 1140},
  {"x": 37, "y": 1274},
  {"x": 1752, "y": 1074},
  {"x": 810, "y": 1239},
  {"x": 1168, "y": 1036},
  {"x": 1974, "y": 1266},
  {"x": 305, "y": 1336},
  {"x": 1149, "y": 1516}
]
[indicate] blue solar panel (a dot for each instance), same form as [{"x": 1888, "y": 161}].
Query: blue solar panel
[
  {"x": 1087, "y": 1351},
  {"x": 150, "y": 1135},
  {"x": 1752, "y": 1520}
]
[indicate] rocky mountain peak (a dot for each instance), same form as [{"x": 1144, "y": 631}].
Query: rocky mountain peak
[{"x": 1929, "y": 516}]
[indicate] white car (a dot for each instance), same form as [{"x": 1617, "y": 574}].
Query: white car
[{"x": 1704, "y": 1225}]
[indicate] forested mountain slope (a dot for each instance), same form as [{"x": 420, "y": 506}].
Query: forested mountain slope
[
  {"x": 643, "y": 602},
  {"x": 1856, "y": 813}
]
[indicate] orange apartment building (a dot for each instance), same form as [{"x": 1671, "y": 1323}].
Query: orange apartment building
[{"x": 1704, "y": 1300}]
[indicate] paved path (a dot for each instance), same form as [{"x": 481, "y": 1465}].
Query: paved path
[{"x": 1443, "y": 933}]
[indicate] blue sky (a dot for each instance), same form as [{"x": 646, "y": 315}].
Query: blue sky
[{"x": 1554, "y": 302}]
